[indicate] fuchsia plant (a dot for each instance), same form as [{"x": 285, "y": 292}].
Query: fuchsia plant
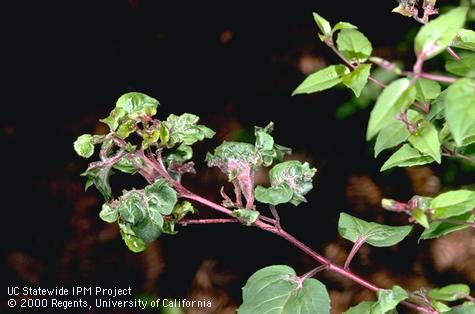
[{"x": 412, "y": 114}]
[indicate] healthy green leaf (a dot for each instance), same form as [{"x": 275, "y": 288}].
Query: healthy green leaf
[
  {"x": 161, "y": 197},
  {"x": 463, "y": 67},
  {"x": 322, "y": 79},
  {"x": 453, "y": 203},
  {"x": 420, "y": 216},
  {"x": 357, "y": 79},
  {"x": 438, "y": 228},
  {"x": 406, "y": 156},
  {"x": 437, "y": 108},
  {"x": 323, "y": 26},
  {"x": 388, "y": 300},
  {"x": 466, "y": 308},
  {"x": 343, "y": 25},
  {"x": 354, "y": 45},
  {"x": 398, "y": 96},
  {"x": 362, "y": 308},
  {"x": 427, "y": 90},
  {"x": 354, "y": 229},
  {"x": 274, "y": 195},
  {"x": 277, "y": 290},
  {"x": 394, "y": 133},
  {"x": 109, "y": 212},
  {"x": 465, "y": 39},
  {"x": 437, "y": 35},
  {"x": 84, "y": 145},
  {"x": 452, "y": 292},
  {"x": 248, "y": 216},
  {"x": 426, "y": 140}
]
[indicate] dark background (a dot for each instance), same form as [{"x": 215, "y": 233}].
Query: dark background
[{"x": 234, "y": 63}]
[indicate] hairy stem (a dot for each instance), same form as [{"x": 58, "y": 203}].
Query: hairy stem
[{"x": 353, "y": 252}]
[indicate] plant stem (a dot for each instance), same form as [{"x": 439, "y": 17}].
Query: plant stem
[
  {"x": 452, "y": 153},
  {"x": 185, "y": 222},
  {"x": 351, "y": 65},
  {"x": 185, "y": 193},
  {"x": 276, "y": 216},
  {"x": 353, "y": 251},
  {"x": 288, "y": 237},
  {"x": 436, "y": 77},
  {"x": 457, "y": 222}
]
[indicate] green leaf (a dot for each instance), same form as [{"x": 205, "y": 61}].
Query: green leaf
[
  {"x": 453, "y": 203},
  {"x": 343, "y": 25},
  {"x": 426, "y": 140},
  {"x": 322, "y": 79},
  {"x": 184, "y": 129},
  {"x": 465, "y": 39},
  {"x": 420, "y": 216},
  {"x": 406, "y": 156},
  {"x": 149, "y": 230},
  {"x": 452, "y": 292},
  {"x": 354, "y": 45},
  {"x": 136, "y": 104},
  {"x": 438, "y": 228},
  {"x": 274, "y": 195},
  {"x": 126, "y": 165},
  {"x": 437, "y": 108},
  {"x": 427, "y": 90},
  {"x": 354, "y": 229},
  {"x": 276, "y": 290},
  {"x": 395, "y": 98},
  {"x": 150, "y": 138},
  {"x": 266, "y": 146},
  {"x": 134, "y": 244},
  {"x": 248, "y": 216},
  {"x": 181, "y": 154},
  {"x": 357, "y": 79},
  {"x": 463, "y": 67},
  {"x": 132, "y": 207},
  {"x": 84, "y": 145},
  {"x": 466, "y": 308},
  {"x": 182, "y": 209},
  {"x": 437, "y": 35},
  {"x": 440, "y": 307},
  {"x": 126, "y": 128},
  {"x": 114, "y": 118},
  {"x": 109, "y": 212},
  {"x": 295, "y": 175},
  {"x": 394, "y": 133},
  {"x": 161, "y": 197},
  {"x": 323, "y": 26},
  {"x": 362, "y": 308},
  {"x": 99, "y": 176},
  {"x": 388, "y": 300}
]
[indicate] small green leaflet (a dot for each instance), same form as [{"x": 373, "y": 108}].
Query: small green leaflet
[
  {"x": 427, "y": 90},
  {"x": 161, "y": 197},
  {"x": 355, "y": 229},
  {"x": 395, "y": 132},
  {"x": 354, "y": 45},
  {"x": 248, "y": 216},
  {"x": 276, "y": 290},
  {"x": 274, "y": 195},
  {"x": 406, "y": 156},
  {"x": 388, "y": 300},
  {"x": 453, "y": 203},
  {"x": 323, "y": 26},
  {"x": 463, "y": 67},
  {"x": 184, "y": 129},
  {"x": 109, "y": 212},
  {"x": 438, "y": 229},
  {"x": 465, "y": 39},
  {"x": 396, "y": 97},
  {"x": 357, "y": 79},
  {"x": 343, "y": 25},
  {"x": 437, "y": 35},
  {"x": 322, "y": 79},
  {"x": 420, "y": 216},
  {"x": 84, "y": 145},
  {"x": 452, "y": 292},
  {"x": 99, "y": 176},
  {"x": 426, "y": 140}
]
